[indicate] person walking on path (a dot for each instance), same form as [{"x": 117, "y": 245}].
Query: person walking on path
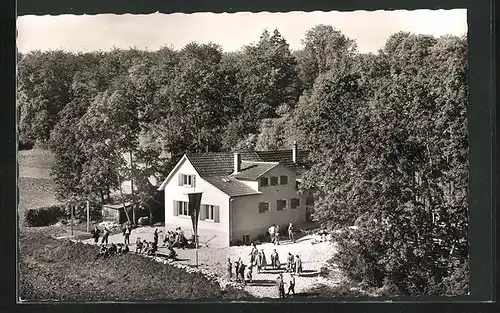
[
  {"x": 259, "y": 262},
  {"x": 271, "y": 231},
  {"x": 273, "y": 259},
  {"x": 155, "y": 237},
  {"x": 126, "y": 233},
  {"x": 291, "y": 234},
  {"x": 229, "y": 269},
  {"x": 237, "y": 269},
  {"x": 95, "y": 234},
  {"x": 280, "y": 284},
  {"x": 241, "y": 274},
  {"x": 277, "y": 234},
  {"x": 249, "y": 273},
  {"x": 254, "y": 254},
  {"x": 290, "y": 263},
  {"x": 291, "y": 286},
  {"x": 298, "y": 265},
  {"x": 262, "y": 261},
  {"x": 105, "y": 236}
]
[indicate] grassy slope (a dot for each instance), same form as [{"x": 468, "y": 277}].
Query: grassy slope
[
  {"x": 61, "y": 270},
  {"x": 35, "y": 163}
]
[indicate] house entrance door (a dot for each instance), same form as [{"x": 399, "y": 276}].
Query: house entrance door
[{"x": 309, "y": 212}]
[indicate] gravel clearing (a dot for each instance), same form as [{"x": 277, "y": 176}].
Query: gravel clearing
[{"x": 212, "y": 262}]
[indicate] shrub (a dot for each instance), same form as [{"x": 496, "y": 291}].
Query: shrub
[
  {"x": 344, "y": 289},
  {"x": 359, "y": 255},
  {"x": 378, "y": 258},
  {"x": 457, "y": 283},
  {"x": 44, "y": 216},
  {"x": 261, "y": 238}
]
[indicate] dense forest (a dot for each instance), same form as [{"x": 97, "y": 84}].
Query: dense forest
[{"x": 387, "y": 134}]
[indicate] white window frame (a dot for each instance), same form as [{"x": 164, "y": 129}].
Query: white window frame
[
  {"x": 284, "y": 207},
  {"x": 209, "y": 212},
  {"x": 188, "y": 180},
  {"x": 183, "y": 207}
]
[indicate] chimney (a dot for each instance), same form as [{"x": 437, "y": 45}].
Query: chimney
[
  {"x": 237, "y": 162},
  {"x": 294, "y": 152}
]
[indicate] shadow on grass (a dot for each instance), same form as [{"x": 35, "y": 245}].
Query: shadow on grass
[
  {"x": 273, "y": 271},
  {"x": 262, "y": 282},
  {"x": 309, "y": 273},
  {"x": 304, "y": 295},
  {"x": 304, "y": 239}
]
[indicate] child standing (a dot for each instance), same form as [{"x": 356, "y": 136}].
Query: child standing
[
  {"x": 291, "y": 286},
  {"x": 229, "y": 269}
]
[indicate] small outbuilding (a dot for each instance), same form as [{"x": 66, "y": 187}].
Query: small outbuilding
[{"x": 116, "y": 213}]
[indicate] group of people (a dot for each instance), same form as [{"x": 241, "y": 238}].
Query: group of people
[
  {"x": 96, "y": 233},
  {"x": 280, "y": 284},
  {"x": 175, "y": 239},
  {"x": 106, "y": 250},
  {"x": 258, "y": 260},
  {"x": 274, "y": 233},
  {"x": 147, "y": 247}
]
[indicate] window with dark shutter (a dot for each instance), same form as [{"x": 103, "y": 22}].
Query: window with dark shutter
[
  {"x": 280, "y": 205},
  {"x": 216, "y": 214},
  {"x": 294, "y": 203},
  {"x": 203, "y": 212},
  {"x": 207, "y": 212},
  {"x": 264, "y": 181},
  {"x": 176, "y": 208},
  {"x": 274, "y": 181},
  {"x": 283, "y": 180},
  {"x": 310, "y": 201},
  {"x": 263, "y": 207}
]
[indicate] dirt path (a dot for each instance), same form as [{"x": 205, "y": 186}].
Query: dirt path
[{"x": 314, "y": 255}]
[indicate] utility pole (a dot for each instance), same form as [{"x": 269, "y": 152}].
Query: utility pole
[
  {"x": 132, "y": 172},
  {"x": 88, "y": 216},
  {"x": 71, "y": 209},
  {"x": 196, "y": 240}
]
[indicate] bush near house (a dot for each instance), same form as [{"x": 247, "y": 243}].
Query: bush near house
[{"x": 44, "y": 216}]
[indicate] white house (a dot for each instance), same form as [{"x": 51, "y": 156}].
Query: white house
[{"x": 243, "y": 193}]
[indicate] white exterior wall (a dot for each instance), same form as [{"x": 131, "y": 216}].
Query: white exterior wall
[
  {"x": 211, "y": 195},
  {"x": 251, "y": 183},
  {"x": 246, "y": 217}
]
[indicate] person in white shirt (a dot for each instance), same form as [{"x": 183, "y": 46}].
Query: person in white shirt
[{"x": 271, "y": 233}]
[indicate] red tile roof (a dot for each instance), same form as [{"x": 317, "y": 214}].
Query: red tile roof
[
  {"x": 217, "y": 163},
  {"x": 217, "y": 168},
  {"x": 231, "y": 186},
  {"x": 253, "y": 170},
  {"x": 222, "y": 163}
]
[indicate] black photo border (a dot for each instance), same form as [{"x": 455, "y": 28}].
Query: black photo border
[{"x": 483, "y": 156}]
